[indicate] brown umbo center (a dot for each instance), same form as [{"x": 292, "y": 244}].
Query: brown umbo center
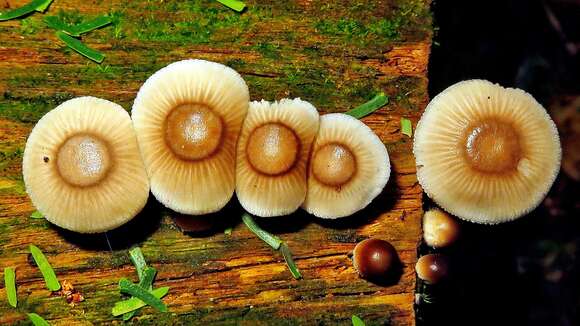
[
  {"x": 83, "y": 160},
  {"x": 193, "y": 131},
  {"x": 333, "y": 164},
  {"x": 272, "y": 148},
  {"x": 492, "y": 146}
]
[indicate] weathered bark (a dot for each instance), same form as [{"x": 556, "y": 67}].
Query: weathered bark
[{"x": 335, "y": 55}]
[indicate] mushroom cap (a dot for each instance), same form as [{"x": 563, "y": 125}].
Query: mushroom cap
[
  {"x": 432, "y": 268},
  {"x": 82, "y": 167},
  {"x": 439, "y": 228},
  {"x": 187, "y": 117},
  {"x": 485, "y": 153},
  {"x": 374, "y": 258},
  {"x": 349, "y": 167},
  {"x": 273, "y": 154}
]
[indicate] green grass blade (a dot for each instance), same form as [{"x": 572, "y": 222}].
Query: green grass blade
[
  {"x": 55, "y": 22},
  {"x": 356, "y": 321},
  {"x": 130, "y": 288},
  {"x": 36, "y": 215},
  {"x": 79, "y": 47},
  {"x": 233, "y": 4},
  {"x": 270, "y": 239},
  {"x": 369, "y": 107},
  {"x": 47, "y": 272},
  {"x": 43, "y": 6},
  {"x": 10, "y": 285},
  {"x": 21, "y": 11},
  {"x": 37, "y": 320},
  {"x": 147, "y": 283},
  {"x": 125, "y": 306},
  {"x": 91, "y": 25},
  {"x": 406, "y": 127},
  {"x": 138, "y": 260},
  {"x": 148, "y": 276},
  {"x": 290, "y": 261}
]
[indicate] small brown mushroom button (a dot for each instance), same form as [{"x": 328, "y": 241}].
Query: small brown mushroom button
[
  {"x": 272, "y": 156},
  {"x": 432, "y": 268},
  {"x": 439, "y": 228},
  {"x": 349, "y": 167},
  {"x": 188, "y": 117},
  {"x": 82, "y": 166},
  {"x": 374, "y": 258},
  {"x": 485, "y": 153}
]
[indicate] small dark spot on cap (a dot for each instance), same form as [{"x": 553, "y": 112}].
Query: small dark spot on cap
[
  {"x": 46, "y": 159},
  {"x": 489, "y": 97}
]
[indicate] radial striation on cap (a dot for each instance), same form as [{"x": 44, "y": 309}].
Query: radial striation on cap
[
  {"x": 188, "y": 116},
  {"x": 82, "y": 167},
  {"x": 349, "y": 167},
  {"x": 485, "y": 153},
  {"x": 272, "y": 156}
]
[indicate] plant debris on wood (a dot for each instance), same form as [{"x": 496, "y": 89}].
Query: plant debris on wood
[
  {"x": 143, "y": 293},
  {"x": 47, "y": 272},
  {"x": 72, "y": 295}
]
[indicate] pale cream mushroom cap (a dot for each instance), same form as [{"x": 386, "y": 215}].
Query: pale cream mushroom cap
[
  {"x": 485, "y": 153},
  {"x": 273, "y": 154},
  {"x": 349, "y": 167},
  {"x": 82, "y": 166},
  {"x": 188, "y": 116}
]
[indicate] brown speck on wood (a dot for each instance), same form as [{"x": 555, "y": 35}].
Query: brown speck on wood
[{"x": 71, "y": 295}]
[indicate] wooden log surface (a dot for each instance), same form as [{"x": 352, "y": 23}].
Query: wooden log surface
[{"x": 335, "y": 54}]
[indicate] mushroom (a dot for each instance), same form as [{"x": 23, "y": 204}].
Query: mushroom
[
  {"x": 349, "y": 167},
  {"x": 188, "y": 116},
  {"x": 82, "y": 167},
  {"x": 432, "y": 268},
  {"x": 374, "y": 258},
  {"x": 439, "y": 228},
  {"x": 272, "y": 156},
  {"x": 485, "y": 153}
]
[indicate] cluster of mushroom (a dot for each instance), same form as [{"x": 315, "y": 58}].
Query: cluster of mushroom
[
  {"x": 484, "y": 153},
  {"x": 194, "y": 138}
]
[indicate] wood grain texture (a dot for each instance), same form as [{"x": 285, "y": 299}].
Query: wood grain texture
[{"x": 335, "y": 55}]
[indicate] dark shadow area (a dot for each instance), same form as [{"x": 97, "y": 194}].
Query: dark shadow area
[
  {"x": 524, "y": 272},
  {"x": 285, "y": 224},
  {"x": 133, "y": 232},
  {"x": 209, "y": 224}
]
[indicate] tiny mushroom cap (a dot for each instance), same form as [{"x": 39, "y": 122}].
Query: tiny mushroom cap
[
  {"x": 188, "y": 116},
  {"x": 349, "y": 167},
  {"x": 374, "y": 258},
  {"x": 432, "y": 268},
  {"x": 272, "y": 156},
  {"x": 485, "y": 153},
  {"x": 439, "y": 228},
  {"x": 82, "y": 167}
]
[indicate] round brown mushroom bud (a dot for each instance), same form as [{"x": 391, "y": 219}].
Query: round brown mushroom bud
[
  {"x": 188, "y": 117},
  {"x": 485, "y": 153},
  {"x": 432, "y": 268},
  {"x": 374, "y": 258},
  {"x": 439, "y": 228}
]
